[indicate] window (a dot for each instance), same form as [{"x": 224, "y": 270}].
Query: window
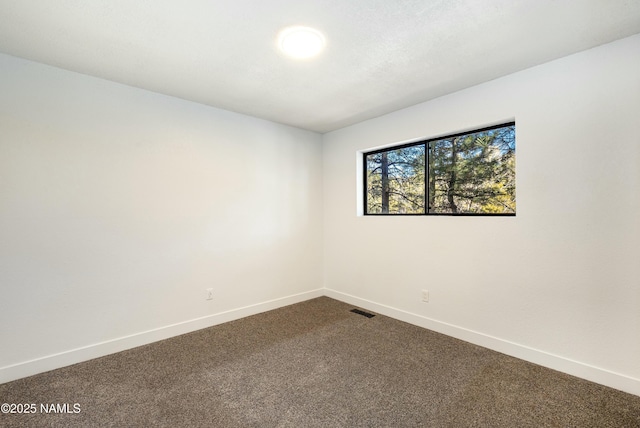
[{"x": 462, "y": 174}]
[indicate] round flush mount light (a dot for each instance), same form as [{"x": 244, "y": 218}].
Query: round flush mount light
[{"x": 301, "y": 42}]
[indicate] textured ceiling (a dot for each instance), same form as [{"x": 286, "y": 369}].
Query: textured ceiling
[{"x": 381, "y": 55}]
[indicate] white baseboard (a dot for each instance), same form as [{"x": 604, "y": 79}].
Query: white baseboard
[
  {"x": 67, "y": 358},
  {"x": 555, "y": 362}
]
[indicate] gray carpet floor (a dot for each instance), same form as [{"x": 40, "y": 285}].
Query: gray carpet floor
[{"x": 316, "y": 364}]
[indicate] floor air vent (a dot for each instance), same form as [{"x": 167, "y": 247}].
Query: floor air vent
[{"x": 363, "y": 313}]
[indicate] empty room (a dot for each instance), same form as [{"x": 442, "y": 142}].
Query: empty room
[{"x": 320, "y": 213}]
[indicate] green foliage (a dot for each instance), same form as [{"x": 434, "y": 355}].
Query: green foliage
[
  {"x": 471, "y": 173},
  {"x": 404, "y": 183}
]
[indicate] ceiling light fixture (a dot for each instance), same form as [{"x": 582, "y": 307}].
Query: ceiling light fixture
[{"x": 301, "y": 42}]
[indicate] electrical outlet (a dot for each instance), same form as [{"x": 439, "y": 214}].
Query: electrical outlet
[
  {"x": 425, "y": 296},
  {"x": 209, "y": 293}
]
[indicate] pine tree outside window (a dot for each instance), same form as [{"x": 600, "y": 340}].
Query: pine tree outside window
[{"x": 470, "y": 173}]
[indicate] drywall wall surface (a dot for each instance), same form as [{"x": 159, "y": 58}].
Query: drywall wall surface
[
  {"x": 562, "y": 277},
  {"x": 119, "y": 207}
]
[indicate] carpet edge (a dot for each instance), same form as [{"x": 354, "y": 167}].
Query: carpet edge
[
  {"x": 555, "y": 362},
  {"x": 101, "y": 349}
]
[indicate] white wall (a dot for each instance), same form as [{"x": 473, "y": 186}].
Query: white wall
[
  {"x": 118, "y": 207},
  {"x": 559, "y": 284}
]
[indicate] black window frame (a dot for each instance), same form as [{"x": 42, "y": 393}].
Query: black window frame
[{"x": 426, "y": 174}]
